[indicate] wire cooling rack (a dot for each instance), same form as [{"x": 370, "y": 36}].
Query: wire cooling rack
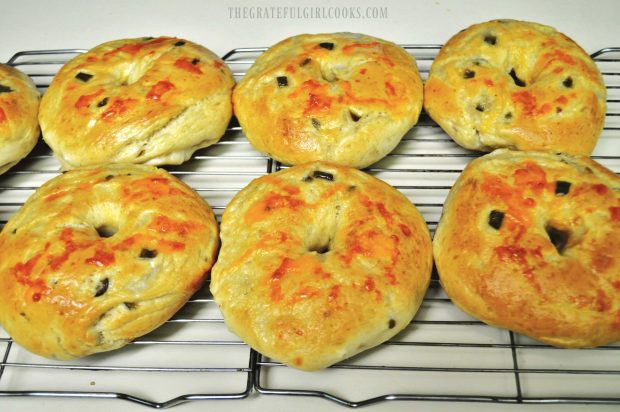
[{"x": 443, "y": 355}]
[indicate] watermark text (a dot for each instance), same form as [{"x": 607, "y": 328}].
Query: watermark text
[{"x": 306, "y": 12}]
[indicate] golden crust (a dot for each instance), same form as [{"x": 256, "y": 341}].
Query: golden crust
[
  {"x": 518, "y": 250},
  {"x": 19, "y": 105},
  {"x": 518, "y": 85},
  {"x": 144, "y": 100},
  {"x": 349, "y": 101},
  {"x": 320, "y": 262},
  {"x": 99, "y": 256}
]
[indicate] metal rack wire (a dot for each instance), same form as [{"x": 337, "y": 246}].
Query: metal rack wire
[{"x": 443, "y": 355}]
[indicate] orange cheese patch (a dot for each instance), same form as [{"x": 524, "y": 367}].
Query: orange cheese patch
[
  {"x": 134, "y": 48},
  {"x": 66, "y": 237},
  {"x": 405, "y": 229},
  {"x": 164, "y": 224},
  {"x": 352, "y": 98},
  {"x": 188, "y": 65},
  {"x": 562, "y": 56},
  {"x": 150, "y": 188},
  {"x": 600, "y": 189},
  {"x": 300, "y": 269},
  {"x": 272, "y": 201},
  {"x": 23, "y": 272},
  {"x": 159, "y": 89},
  {"x": 101, "y": 258},
  {"x": 526, "y": 101},
  {"x": 380, "y": 207},
  {"x": 118, "y": 108},
  {"x": 288, "y": 188},
  {"x": 532, "y": 177},
  {"x": 308, "y": 86},
  {"x": 317, "y": 104},
  {"x": 528, "y": 180},
  {"x": 349, "y": 48},
  {"x": 85, "y": 100},
  {"x": 371, "y": 243},
  {"x": 517, "y": 255},
  {"x": 321, "y": 99},
  {"x": 529, "y": 177}
]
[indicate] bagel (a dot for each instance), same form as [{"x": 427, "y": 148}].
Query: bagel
[
  {"x": 517, "y": 85},
  {"x": 99, "y": 256},
  {"x": 320, "y": 262},
  {"x": 530, "y": 242},
  {"x": 144, "y": 100},
  {"x": 343, "y": 98},
  {"x": 19, "y": 105}
]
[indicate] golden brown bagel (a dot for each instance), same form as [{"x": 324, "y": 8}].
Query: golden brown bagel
[
  {"x": 519, "y": 85},
  {"x": 530, "y": 242},
  {"x": 19, "y": 127},
  {"x": 320, "y": 262},
  {"x": 145, "y": 100},
  {"x": 99, "y": 256},
  {"x": 344, "y": 98}
]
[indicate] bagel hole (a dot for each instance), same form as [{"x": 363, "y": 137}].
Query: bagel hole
[
  {"x": 320, "y": 248},
  {"x": 329, "y": 76},
  {"x": 106, "y": 230},
  {"x": 328, "y": 73}
]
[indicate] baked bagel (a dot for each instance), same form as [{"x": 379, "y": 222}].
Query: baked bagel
[
  {"x": 99, "y": 256},
  {"x": 343, "y": 98},
  {"x": 145, "y": 100},
  {"x": 19, "y": 127},
  {"x": 320, "y": 262},
  {"x": 530, "y": 241},
  {"x": 519, "y": 85}
]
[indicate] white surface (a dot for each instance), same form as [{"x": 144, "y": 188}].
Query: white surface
[{"x": 37, "y": 25}]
